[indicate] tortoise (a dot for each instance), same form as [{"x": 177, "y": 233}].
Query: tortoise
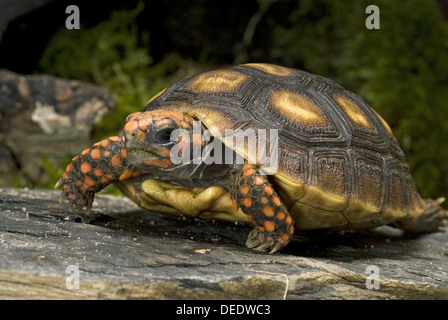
[{"x": 275, "y": 147}]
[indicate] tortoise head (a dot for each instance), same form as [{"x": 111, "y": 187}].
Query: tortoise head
[{"x": 154, "y": 139}]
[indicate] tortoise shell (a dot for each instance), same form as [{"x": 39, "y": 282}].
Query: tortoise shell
[{"x": 339, "y": 165}]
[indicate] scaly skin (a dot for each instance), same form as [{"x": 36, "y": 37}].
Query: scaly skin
[
  {"x": 255, "y": 195},
  {"x": 92, "y": 170}
]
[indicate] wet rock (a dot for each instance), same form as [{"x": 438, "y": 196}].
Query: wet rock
[{"x": 122, "y": 252}]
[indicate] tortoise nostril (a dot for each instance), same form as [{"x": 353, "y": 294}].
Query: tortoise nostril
[{"x": 131, "y": 135}]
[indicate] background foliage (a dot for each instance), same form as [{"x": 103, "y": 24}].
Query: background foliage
[{"x": 400, "y": 69}]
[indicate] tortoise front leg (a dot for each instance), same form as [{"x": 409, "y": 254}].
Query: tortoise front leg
[
  {"x": 255, "y": 195},
  {"x": 92, "y": 170}
]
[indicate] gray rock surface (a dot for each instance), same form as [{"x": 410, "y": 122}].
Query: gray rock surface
[{"x": 122, "y": 252}]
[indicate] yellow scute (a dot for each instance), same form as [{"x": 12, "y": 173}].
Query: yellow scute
[
  {"x": 354, "y": 112},
  {"x": 220, "y": 81},
  {"x": 297, "y": 108}
]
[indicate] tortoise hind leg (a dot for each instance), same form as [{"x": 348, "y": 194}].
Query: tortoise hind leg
[
  {"x": 255, "y": 195},
  {"x": 428, "y": 220}
]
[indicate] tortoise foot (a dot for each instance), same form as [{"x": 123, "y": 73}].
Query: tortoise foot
[
  {"x": 259, "y": 241},
  {"x": 78, "y": 201}
]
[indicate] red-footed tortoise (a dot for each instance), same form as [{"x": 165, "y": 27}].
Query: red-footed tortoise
[{"x": 280, "y": 148}]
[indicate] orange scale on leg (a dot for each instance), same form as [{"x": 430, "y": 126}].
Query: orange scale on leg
[
  {"x": 104, "y": 180},
  {"x": 116, "y": 161},
  {"x": 291, "y": 229},
  {"x": 268, "y": 211},
  {"x": 247, "y": 167},
  {"x": 98, "y": 172},
  {"x": 264, "y": 200},
  {"x": 125, "y": 175},
  {"x": 85, "y": 167},
  {"x": 136, "y": 174},
  {"x": 105, "y": 143},
  {"x": 247, "y": 202},
  {"x": 269, "y": 225},
  {"x": 95, "y": 154},
  {"x": 89, "y": 181},
  {"x": 281, "y": 215},
  {"x": 276, "y": 201},
  {"x": 268, "y": 190},
  {"x": 248, "y": 173},
  {"x": 245, "y": 189}
]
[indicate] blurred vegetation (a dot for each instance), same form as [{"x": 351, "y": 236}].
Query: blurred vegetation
[
  {"x": 115, "y": 55},
  {"x": 400, "y": 69}
]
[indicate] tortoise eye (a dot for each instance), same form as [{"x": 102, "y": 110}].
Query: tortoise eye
[{"x": 163, "y": 136}]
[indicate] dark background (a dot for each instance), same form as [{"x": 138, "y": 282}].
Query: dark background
[{"x": 136, "y": 48}]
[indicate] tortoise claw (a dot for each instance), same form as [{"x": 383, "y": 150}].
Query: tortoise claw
[
  {"x": 63, "y": 195},
  {"x": 59, "y": 183},
  {"x": 256, "y": 240},
  {"x": 276, "y": 247},
  {"x": 253, "y": 239},
  {"x": 263, "y": 246},
  {"x": 78, "y": 201},
  {"x": 70, "y": 206}
]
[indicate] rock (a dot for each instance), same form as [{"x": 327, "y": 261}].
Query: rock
[
  {"x": 44, "y": 117},
  {"x": 122, "y": 252}
]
